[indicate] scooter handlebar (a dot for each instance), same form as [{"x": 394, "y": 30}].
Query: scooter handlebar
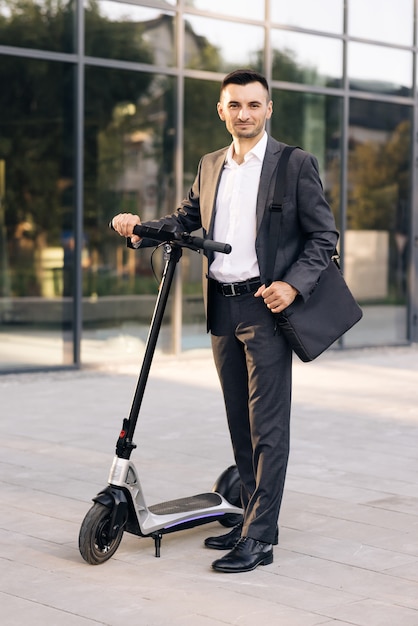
[{"x": 164, "y": 233}]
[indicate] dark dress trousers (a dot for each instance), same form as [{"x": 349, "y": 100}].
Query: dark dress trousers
[{"x": 252, "y": 358}]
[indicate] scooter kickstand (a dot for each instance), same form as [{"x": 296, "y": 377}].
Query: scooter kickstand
[{"x": 157, "y": 541}]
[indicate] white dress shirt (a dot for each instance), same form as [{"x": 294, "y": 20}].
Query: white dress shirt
[{"x": 235, "y": 218}]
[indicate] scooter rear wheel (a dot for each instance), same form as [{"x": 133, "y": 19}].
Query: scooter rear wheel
[
  {"x": 95, "y": 543},
  {"x": 229, "y": 486}
]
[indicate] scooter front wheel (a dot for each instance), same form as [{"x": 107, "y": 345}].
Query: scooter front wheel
[{"x": 95, "y": 540}]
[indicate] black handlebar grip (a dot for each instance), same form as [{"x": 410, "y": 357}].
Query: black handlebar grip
[
  {"x": 163, "y": 233},
  {"x": 208, "y": 244}
]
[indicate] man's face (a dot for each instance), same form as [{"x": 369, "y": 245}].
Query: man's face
[{"x": 245, "y": 109}]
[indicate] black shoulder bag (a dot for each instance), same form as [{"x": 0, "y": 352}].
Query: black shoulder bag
[{"x": 313, "y": 325}]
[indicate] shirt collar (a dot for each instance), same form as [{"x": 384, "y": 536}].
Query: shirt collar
[{"x": 259, "y": 150}]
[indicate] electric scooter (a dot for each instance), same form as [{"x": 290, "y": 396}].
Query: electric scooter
[{"x": 121, "y": 505}]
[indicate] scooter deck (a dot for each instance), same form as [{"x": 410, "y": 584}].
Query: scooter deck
[{"x": 185, "y": 505}]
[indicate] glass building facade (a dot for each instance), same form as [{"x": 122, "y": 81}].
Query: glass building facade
[{"x": 107, "y": 106}]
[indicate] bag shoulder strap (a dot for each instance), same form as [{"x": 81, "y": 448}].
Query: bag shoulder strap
[{"x": 275, "y": 212}]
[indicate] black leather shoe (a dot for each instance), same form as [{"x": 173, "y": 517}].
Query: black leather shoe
[
  {"x": 245, "y": 556},
  {"x": 225, "y": 542}
]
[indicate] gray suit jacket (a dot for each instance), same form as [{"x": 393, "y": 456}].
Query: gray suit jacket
[{"x": 308, "y": 233}]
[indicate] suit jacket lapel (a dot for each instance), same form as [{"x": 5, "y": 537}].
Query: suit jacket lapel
[
  {"x": 273, "y": 150},
  {"x": 213, "y": 169}
]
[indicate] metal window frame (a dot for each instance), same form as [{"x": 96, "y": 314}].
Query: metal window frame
[{"x": 80, "y": 61}]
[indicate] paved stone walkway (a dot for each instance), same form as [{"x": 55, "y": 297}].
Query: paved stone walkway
[{"x": 348, "y": 551}]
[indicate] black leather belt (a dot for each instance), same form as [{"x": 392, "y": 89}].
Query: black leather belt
[{"x": 238, "y": 289}]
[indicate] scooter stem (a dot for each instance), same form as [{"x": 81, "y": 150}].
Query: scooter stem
[{"x": 125, "y": 445}]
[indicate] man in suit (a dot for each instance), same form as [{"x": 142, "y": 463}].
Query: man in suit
[{"x": 230, "y": 200}]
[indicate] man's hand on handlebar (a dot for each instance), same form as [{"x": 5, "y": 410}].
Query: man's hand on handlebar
[{"x": 124, "y": 225}]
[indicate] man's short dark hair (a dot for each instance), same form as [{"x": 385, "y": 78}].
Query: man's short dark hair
[{"x": 244, "y": 77}]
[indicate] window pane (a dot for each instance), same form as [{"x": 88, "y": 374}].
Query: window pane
[
  {"x": 379, "y": 69},
  {"x": 47, "y": 25},
  {"x": 129, "y": 165},
  {"x": 129, "y": 32},
  {"x": 222, "y": 46},
  {"x": 378, "y": 217},
  {"x": 36, "y": 213},
  {"x": 323, "y": 15},
  {"x": 238, "y": 8},
  {"x": 390, "y": 21},
  {"x": 307, "y": 59},
  {"x": 313, "y": 122},
  {"x": 203, "y": 130}
]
